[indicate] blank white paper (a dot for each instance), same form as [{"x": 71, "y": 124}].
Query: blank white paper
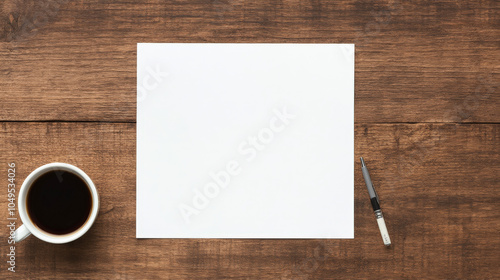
[{"x": 245, "y": 141}]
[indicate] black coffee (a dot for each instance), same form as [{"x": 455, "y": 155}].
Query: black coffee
[{"x": 59, "y": 202}]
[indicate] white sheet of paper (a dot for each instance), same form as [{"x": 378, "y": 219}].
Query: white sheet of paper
[{"x": 245, "y": 141}]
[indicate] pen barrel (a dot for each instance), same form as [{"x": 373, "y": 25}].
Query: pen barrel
[
  {"x": 368, "y": 181},
  {"x": 383, "y": 228}
]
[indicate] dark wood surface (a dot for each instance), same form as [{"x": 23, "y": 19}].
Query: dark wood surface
[{"x": 427, "y": 122}]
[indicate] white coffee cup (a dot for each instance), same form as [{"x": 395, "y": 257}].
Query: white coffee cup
[{"x": 29, "y": 227}]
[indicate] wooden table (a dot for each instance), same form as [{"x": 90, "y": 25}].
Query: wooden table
[{"x": 427, "y": 122}]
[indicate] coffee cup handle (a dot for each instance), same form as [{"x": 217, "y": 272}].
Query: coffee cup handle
[{"x": 21, "y": 233}]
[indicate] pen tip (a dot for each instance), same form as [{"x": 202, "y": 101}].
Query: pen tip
[{"x": 362, "y": 162}]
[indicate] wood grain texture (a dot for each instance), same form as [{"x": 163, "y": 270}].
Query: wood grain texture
[
  {"x": 416, "y": 61},
  {"x": 439, "y": 186},
  {"x": 427, "y": 123}
]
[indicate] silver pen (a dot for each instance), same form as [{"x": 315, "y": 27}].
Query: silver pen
[{"x": 375, "y": 204}]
